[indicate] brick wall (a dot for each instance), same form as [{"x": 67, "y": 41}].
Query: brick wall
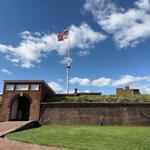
[
  {"x": 127, "y": 91},
  {"x": 35, "y": 97},
  {"x": 95, "y": 113},
  {"x": 45, "y": 92},
  {"x": 8, "y": 100}
]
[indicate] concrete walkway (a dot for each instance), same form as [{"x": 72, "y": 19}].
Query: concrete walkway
[{"x": 6, "y": 144}]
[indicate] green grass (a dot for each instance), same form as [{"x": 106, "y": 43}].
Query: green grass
[
  {"x": 100, "y": 98},
  {"x": 87, "y": 137}
]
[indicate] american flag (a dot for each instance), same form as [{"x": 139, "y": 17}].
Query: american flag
[{"x": 63, "y": 35}]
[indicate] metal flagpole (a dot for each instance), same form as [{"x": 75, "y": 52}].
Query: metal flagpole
[{"x": 68, "y": 62}]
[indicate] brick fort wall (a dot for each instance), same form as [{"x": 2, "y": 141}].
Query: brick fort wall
[{"x": 95, "y": 113}]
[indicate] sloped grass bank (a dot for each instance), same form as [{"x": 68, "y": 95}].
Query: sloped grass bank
[
  {"x": 87, "y": 137},
  {"x": 143, "y": 98},
  {"x": 0, "y": 98},
  {"x": 100, "y": 98}
]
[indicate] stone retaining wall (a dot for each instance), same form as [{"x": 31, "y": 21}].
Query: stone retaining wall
[{"x": 95, "y": 113}]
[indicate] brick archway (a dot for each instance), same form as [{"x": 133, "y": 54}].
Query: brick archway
[
  {"x": 20, "y": 107},
  {"x": 34, "y": 90}
]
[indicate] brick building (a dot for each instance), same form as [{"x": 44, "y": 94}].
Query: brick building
[
  {"x": 21, "y": 99},
  {"x": 127, "y": 91}
]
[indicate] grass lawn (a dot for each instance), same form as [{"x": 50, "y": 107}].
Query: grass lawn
[
  {"x": 87, "y": 137},
  {"x": 0, "y": 98},
  {"x": 101, "y": 98}
]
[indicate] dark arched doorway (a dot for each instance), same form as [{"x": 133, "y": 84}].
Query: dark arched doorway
[{"x": 20, "y": 109}]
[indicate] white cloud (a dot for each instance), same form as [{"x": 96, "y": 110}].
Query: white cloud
[
  {"x": 83, "y": 52},
  {"x": 143, "y": 4},
  {"x": 87, "y": 82},
  {"x": 80, "y": 81},
  {"x": 59, "y": 88},
  {"x": 56, "y": 87},
  {"x": 35, "y": 46},
  {"x": 141, "y": 82},
  {"x": 5, "y": 71},
  {"x": 100, "y": 82},
  {"x": 128, "y": 26},
  {"x": 84, "y": 37},
  {"x": 128, "y": 79}
]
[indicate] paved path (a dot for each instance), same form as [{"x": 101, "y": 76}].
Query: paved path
[
  {"x": 8, "y": 125},
  {"x": 6, "y": 144}
]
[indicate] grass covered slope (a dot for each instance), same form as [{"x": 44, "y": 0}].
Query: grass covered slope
[
  {"x": 100, "y": 98},
  {"x": 0, "y": 98},
  {"x": 87, "y": 137}
]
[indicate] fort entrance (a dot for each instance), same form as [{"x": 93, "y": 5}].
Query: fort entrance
[
  {"x": 20, "y": 108},
  {"x": 22, "y": 99}
]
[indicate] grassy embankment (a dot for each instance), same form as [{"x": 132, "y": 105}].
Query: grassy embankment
[
  {"x": 0, "y": 98},
  {"x": 87, "y": 137},
  {"x": 100, "y": 98}
]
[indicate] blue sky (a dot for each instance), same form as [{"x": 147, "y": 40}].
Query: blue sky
[{"x": 110, "y": 42}]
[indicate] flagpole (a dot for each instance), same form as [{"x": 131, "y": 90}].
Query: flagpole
[
  {"x": 68, "y": 63},
  {"x": 61, "y": 37}
]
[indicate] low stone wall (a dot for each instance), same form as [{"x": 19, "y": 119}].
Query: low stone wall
[{"x": 95, "y": 113}]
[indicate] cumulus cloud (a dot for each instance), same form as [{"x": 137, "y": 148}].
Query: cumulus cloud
[
  {"x": 100, "y": 82},
  {"x": 34, "y": 46},
  {"x": 80, "y": 81},
  {"x": 142, "y": 82},
  {"x": 6, "y": 71},
  {"x": 56, "y": 87},
  {"x": 143, "y": 4},
  {"x": 128, "y": 79},
  {"x": 128, "y": 26},
  {"x": 59, "y": 88}
]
